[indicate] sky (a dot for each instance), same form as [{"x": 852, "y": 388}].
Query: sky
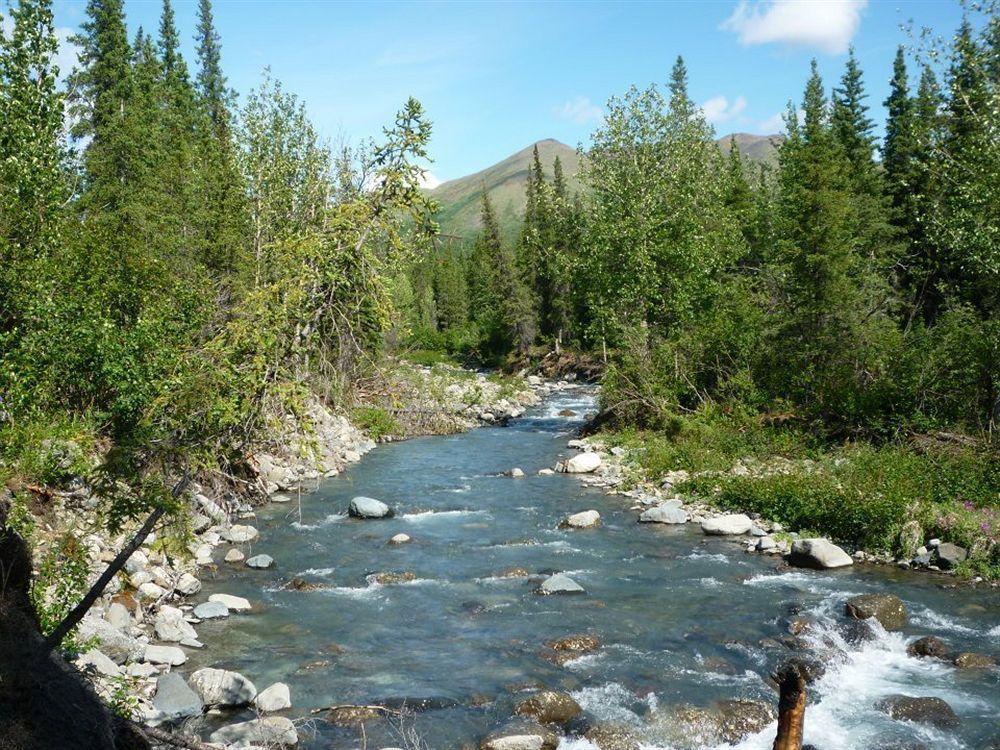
[{"x": 495, "y": 77}]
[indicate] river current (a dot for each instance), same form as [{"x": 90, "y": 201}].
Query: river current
[{"x": 682, "y": 618}]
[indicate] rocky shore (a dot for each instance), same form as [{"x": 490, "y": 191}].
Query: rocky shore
[{"x": 135, "y": 641}]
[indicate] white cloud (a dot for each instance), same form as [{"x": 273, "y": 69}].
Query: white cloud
[
  {"x": 579, "y": 110},
  {"x": 773, "y": 124},
  {"x": 827, "y": 25},
  {"x": 719, "y": 109},
  {"x": 429, "y": 180}
]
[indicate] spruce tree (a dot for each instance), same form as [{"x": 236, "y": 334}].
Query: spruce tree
[{"x": 900, "y": 149}]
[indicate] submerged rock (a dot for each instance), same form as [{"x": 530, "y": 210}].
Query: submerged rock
[
  {"x": 348, "y": 716},
  {"x": 220, "y": 687},
  {"x": 818, "y": 553},
  {"x": 612, "y": 737},
  {"x": 521, "y": 734},
  {"x": 549, "y": 707},
  {"x": 741, "y": 718},
  {"x": 888, "y": 609},
  {"x": 970, "y": 660},
  {"x": 211, "y": 610},
  {"x": 587, "y": 519},
  {"x": 920, "y": 710},
  {"x": 388, "y": 578},
  {"x": 729, "y": 525},
  {"x": 929, "y": 646},
  {"x": 560, "y": 583},
  {"x": 269, "y": 731},
  {"x": 369, "y": 507}
]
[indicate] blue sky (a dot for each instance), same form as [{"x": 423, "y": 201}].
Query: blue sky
[{"x": 496, "y": 76}]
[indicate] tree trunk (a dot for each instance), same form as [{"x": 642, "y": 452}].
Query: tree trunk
[
  {"x": 791, "y": 707},
  {"x": 76, "y": 614}
]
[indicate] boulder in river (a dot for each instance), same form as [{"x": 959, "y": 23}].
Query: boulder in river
[
  {"x": 233, "y": 603},
  {"x": 560, "y": 583},
  {"x": 516, "y": 472},
  {"x": 211, "y": 610},
  {"x": 888, "y": 609},
  {"x": 929, "y": 646},
  {"x": 612, "y": 737},
  {"x": 920, "y": 710},
  {"x": 239, "y": 534},
  {"x": 523, "y": 734},
  {"x": 260, "y": 562},
  {"x": 276, "y": 697},
  {"x": 741, "y": 718},
  {"x": 269, "y": 731},
  {"x": 220, "y": 687},
  {"x": 971, "y": 660},
  {"x": 174, "y": 699},
  {"x": 582, "y": 463},
  {"x": 400, "y": 539},
  {"x": 549, "y": 707},
  {"x": 391, "y": 577},
  {"x": 668, "y": 512},
  {"x": 234, "y": 556},
  {"x": 171, "y": 626},
  {"x": 587, "y": 519},
  {"x": 368, "y": 507},
  {"x": 728, "y": 525},
  {"x": 818, "y": 553}
]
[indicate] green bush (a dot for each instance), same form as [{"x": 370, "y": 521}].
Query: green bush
[{"x": 377, "y": 423}]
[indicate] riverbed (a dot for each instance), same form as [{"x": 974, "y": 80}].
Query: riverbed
[{"x": 681, "y": 618}]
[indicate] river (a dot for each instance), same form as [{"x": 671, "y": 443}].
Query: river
[{"x": 682, "y": 618}]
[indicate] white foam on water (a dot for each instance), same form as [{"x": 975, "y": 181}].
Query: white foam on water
[
  {"x": 994, "y": 632},
  {"x": 459, "y": 490},
  {"x": 326, "y": 521},
  {"x": 316, "y": 572},
  {"x": 710, "y": 582},
  {"x": 793, "y": 579},
  {"x": 713, "y": 556},
  {"x": 611, "y": 703},
  {"x": 575, "y": 743},
  {"x": 428, "y": 515},
  {"x": 370, "y": 591},
  {"x": 926, "y": 617}
]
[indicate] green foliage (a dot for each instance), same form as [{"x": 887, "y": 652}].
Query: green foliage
[
  {"x": 377, "y": 423},
  {"x": 59, "y": 585}
]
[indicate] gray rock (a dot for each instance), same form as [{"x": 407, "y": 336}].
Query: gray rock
[
  {"x": 117, "y": 645},
  {"x": 220, "y": 687},
  {"x": 668, "y": 512},
  {"x": 233, "y": 603},
  {"x": 925, "y": 710},
  {"x": 171, "y": 626},
  {"x": 929, "y": 646},
  {"x": 400, "y": 539},
  {"x": 586, "y": 519},
  {"x": 136, "y": 562},
  {"x": 369, "y": 507},
  {"x": 174, "y": 699},
  {"x": 582, "y": 463},
  {"x": 187, "y": 585},
  {"x": 728, "y": 525},
  {"x": 164, "y": 655},
  {"x": 818, "y": 553},
  {"x": 765, "y": 543},
  {"x": 549, "y": 707},
  {"x": 150, "y": 590},
  {"x": 274, "y": 698},
  {"x": 888, "y": 609},
  {"x": 211, "y": 611},
  {"x": 234, "y": 556},
  {"x": 260, "y": 562},
  {"x": 119, "y": 617},
  {"x": 949, "y": 555},
  {"x": 521, "y": 735},
  {"x": 239, "y": 534},
  {"x": 560, "y": 583},
  {"x": 269, "y": 731},
  {"x": 98, "y": 662}
]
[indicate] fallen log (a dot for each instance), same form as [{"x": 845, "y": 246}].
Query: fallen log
[{"x": 791, "y": 679}]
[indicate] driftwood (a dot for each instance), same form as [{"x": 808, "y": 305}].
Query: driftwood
[
  {"x": 791, "y": 679},
  {"x": 174, "y": 740}
]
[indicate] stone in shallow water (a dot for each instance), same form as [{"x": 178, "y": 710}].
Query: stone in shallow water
[
  {"x": 234, "y": 556},
  {"x": 549, "y": 707},
  {"x": 560, "y": 583},
  {"x": 888, "y": 609},
  {"x": 400, "y": 539},
  {"x": 521, "y": 735},
  {"x": 239, "y": 534},
  {"x": 970, "y": 660},
  {"x": 369, "y": 507},
  {"x": 923, "y": 710},
  {"x": 269, "y": 731},
  {"x": 668, "y": 512},
  {"x": 260, "y": 562},
  {"x": 929, "y": 646},
  {"x": 211, "y": 610},
  {"x": 586, "y": 519},
  {"x": 728, "y": 525},
  {"x": 274, "y": 698},
  {"x": 220, "y": 687},
  {"x": 583, "y": 463},
  {"x": 818, "y": 553},
  {"x": 233, "y": 603}
]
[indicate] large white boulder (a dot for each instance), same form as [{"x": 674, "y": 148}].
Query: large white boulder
[
  {"x": 582, "y": 463},
  {"x": 171, "y": 626},
  {"x": 369, "y": 507},
  {"x": 233, "y": 603},
  {"x": 818, "y": 553},
  {"x": 728, "y": 525},
  {"x": 560, "y": 583},
  {"x": 239, "y": 534},
  {"x": 586, "y": 519},
  {"x": 667, "y": 512},
  {"x": 220, "y": 687},
  {"x": 274, "y": 698}
]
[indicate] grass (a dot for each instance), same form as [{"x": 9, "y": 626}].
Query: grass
[{"x": 858, "y": 494}]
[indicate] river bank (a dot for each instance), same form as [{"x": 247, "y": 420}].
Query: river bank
[
  {"x": 668, "y": 640},
  {"x": 143, "y": 626}
]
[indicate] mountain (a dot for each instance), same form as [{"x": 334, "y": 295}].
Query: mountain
[
  {"x": 758, "y": 148},
  {"x": 505, "y": 181}
]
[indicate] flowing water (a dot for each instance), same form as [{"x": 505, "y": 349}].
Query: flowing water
[{"x": 682, "y": 619}]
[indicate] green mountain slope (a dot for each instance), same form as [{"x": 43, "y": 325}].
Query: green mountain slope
[{"x": 504, "y": 182}]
